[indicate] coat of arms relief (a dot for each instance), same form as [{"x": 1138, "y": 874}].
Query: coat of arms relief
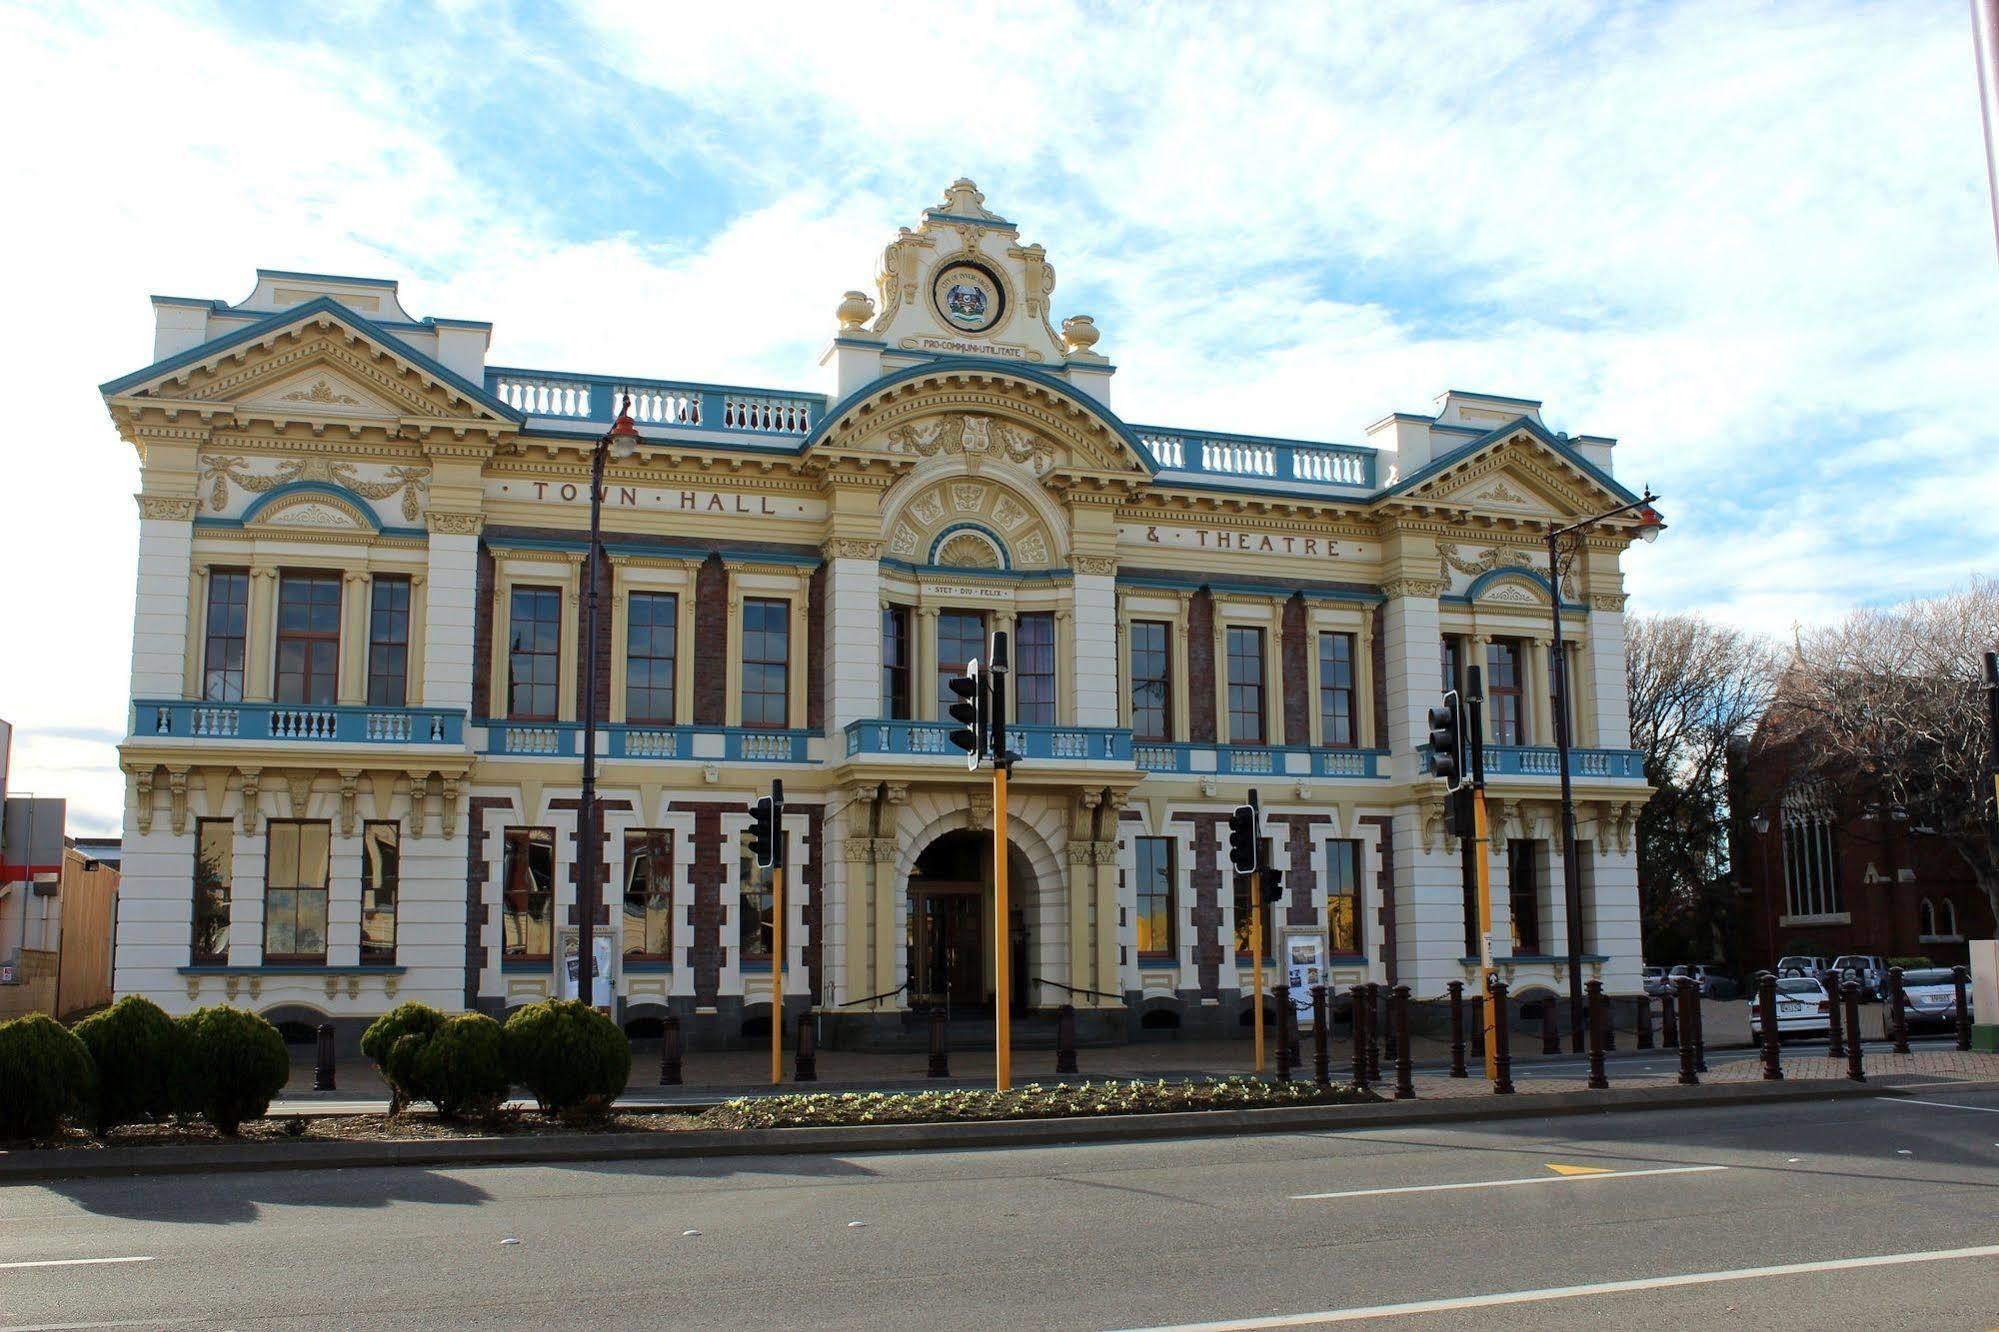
[{"x": 969, "y": 433}]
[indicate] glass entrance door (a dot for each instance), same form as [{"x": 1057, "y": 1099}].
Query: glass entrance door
[{"x": 946, "y": 955}]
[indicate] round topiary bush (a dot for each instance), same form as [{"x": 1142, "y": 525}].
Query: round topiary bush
[
  {"x": 45, "y": 1076},
  {"x": 393, "y": 1041},
  {"x": 133, "y": 1043},
  {"x": 462, "y": 1066},
  {"x": 233, "y": 1063},
  {"x": 568, "y": 1055}
]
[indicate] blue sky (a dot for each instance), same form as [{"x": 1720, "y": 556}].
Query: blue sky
[{"x": 1752, "y": 241}]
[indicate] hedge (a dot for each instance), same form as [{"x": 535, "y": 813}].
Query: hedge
[
  {"x": 45, "y": 1076},
  {"x": 234, "y": 1063},
  {"x": 568, "y": 1055},
  {"x": 135, "y": 1047},
  {"x": 462, "y": 1066}
]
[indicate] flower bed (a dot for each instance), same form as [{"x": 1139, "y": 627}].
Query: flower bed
[{"x": 1034, "y": 1101}]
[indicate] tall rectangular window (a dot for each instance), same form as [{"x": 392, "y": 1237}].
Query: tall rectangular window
[
  {"x": 1155, "y": 897},
  {"x": 308, "y": 638},
  {"x": 1242, "y": 915},
  {"x": 1453, "y": 664},
  {"x": 295, "y": 855},
  {"x": 527, "y": 895},
  {"x": 1338, "y": 723},
  {"x": 652, "y": 642},
  {"x": 381, "y": 885},
  {"x": 1034, "y": 669},
  {"x": 1523, "y": 896},
  {"x": 1151, "y": 661},
  {"x": 648, "y": 895},
  {"x": 222, "y": 651},
  {"x": 766, "y": 663},
  {"x": 214, "y": 886},
  {"x": 753, "y": 919},
  {"x": 534, "y": 652},
  {"x": 1343, "y": 932},
  {"x": 897, "y": 663},
  {"x": 1245, "y": 652},
  {"x": 389, "y": 643},
  {"x": 1502, "y": 692},
  {"x": 1811, "y": 859},
  {"x": 961, "y": 636}
]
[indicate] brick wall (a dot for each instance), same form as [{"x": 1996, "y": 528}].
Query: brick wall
[
  {"x": 477, "y": 857},
  {"x": 1386, "y": 884},
  {"x": 1298, "y": 656},
  {"x": 704, "y": 914},
  {"x": 1204, "y": 880},
  {"x": 482, "y": 639},
  {"x": 602, "y": 684},
  {"x": 711, "y": 643},
  {"x": 815, "y": 649},
  {"x": 1201, "y": 667},
  {"x": 606, "y": 888},
  {"x": 1378, "y": 664},
  {"x": 1300, "y": 880}
]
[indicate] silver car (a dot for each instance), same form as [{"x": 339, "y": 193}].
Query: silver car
[{"x": 1930, "y": 997}]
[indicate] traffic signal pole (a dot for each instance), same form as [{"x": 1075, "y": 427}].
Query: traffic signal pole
[
  {"x": 1256, "y": 960},
  {"x": 777, "y": 973},
  {"x": 1482, "y": 860},
  {"x": 1002, "y": 941}
]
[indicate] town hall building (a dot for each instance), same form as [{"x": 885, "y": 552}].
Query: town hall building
[{"x": 354, "y": 758}]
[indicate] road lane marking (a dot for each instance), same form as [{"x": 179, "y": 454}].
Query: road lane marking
[
  {"x": 1510, "y": 1183},
  {"x": 1562, "y": 1169},
  {"x": 1943, "y": 1105},
  {"x": 74, "y": 1262},
  {"x": 1580, "y": 1292}
]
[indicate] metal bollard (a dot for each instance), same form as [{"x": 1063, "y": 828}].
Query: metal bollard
[
  {"x": 1700, "y": 1031},
  {"x": 940, "y": 1057},
  {"x": 1836, "y": 1023},
  {"x": 1457, "y": 990},
  {"x": 1373, "y": 1032},
  {"x": 1502, "y": 1053},
  {"x": 1290, "y": 1024},
  {"x": 322, "y": 1072},
  {"x": 1405, "y": 1086},
  {"x": 1551, "y": 1036},
  {"x": 669, "y": 1051},
  {"x": 1599, "y": 1079},
  {"x": 1687, "y": 997},
  {"x": 1280, "y": 1004},
  {"x": 1322, "y": 1069},
  {"x": 1645, "y": 1022},
  {"x": 1358, "y": 1013},
  {"x": 1899, "y": 1010},
  {"x": 1959, "y": 978},
  {"x": 1773, "y": 1037},
  {"x": 805, "y": 1061},
  {"x": 1065, "y": 1040},
  {"x": 1669, "y": 1015},
  {"x": 1849, "y": 993}
]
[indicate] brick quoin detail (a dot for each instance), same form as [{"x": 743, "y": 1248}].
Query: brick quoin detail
[
  {"x": 1299, "y": 878},
  {"x": 814, "y": 875},
  {"x": 1205, "y": 881},
  {"x": 1385, "y": 883},
  {"x": 476, "y": 911},
  {"x": 1378, "y": 663},
  {"x": 704, "y": 914},
  {"x": 602, "y": 579},
  {"x": 711, "y": 643},
  {"x": 482, "y": 638},
  {"x": 604, "y": 885},
  {"x": 1201, "y": 667},
  {"x": 815, "y": 650},
  {"x": 1298, "y": 660}
]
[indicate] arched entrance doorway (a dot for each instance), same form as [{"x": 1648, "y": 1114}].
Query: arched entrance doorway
[{"x": 951, "y": 923}]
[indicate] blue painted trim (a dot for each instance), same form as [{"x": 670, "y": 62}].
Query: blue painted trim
[
  {"x": 1196, "y": 581},
  {"x": 326, "y": 488},
  {"x": 954, "y": 571},
  {"x": 645, "y": 968},
  {"x": 942, "y": 216},
  {"x": 283, "y": 969},
  {"x": 1522, "y": 423},
  {"x": 1278, "y": 488},
  {"x": 1006, "y": 557},
  {"x": 1158, "y": 964},
  {"x": 526, "y": 965},
  {"x": 1496, "y": 574},
  {"x": 299, "y": 314}
]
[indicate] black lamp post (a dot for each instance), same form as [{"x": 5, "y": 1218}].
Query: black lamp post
[
  {"x": 620, "y": 441},
  {"x": 1649, "y": 527}
]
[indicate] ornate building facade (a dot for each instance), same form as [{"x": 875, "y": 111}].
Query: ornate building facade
[{"x": 353, "y": 764}]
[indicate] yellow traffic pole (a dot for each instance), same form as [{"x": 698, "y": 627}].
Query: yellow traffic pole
[
  {"x": 1256, "y": 958},
  {"x": 1482, "y": 872},
  {"x": 1002, "y": 940},
  {"x": 777, "y": 974}
]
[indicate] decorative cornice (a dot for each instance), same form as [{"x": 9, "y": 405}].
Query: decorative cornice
[
  {"x": 1608, "y": 601},
  {"x": 1413, "y": 587},
  {"x": 173, "y": 508},
  {"x": 447, "y": 523},
  {"x": 1094, "y": 564},
  {"x": 852, "y": 548}
]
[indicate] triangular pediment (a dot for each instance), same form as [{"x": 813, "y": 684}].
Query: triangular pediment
[
  {"x": 324, "y": 389},
  {"x": 1518, "y": 472}
]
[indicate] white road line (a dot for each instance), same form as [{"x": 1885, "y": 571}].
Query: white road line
[
  {"x": 75, "y": 1262},
  {"x": 1579, "y": 1292},
  {"x": 1509, "y": 1183},
  {"x": 1943, "y": 1105}
]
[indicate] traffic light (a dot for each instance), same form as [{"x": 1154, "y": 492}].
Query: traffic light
[
  {"x": 1273, "y": 886},
  {"x": 969, "y": 709},
  {"x": 766, "y": 830},
  {"x": 1245, "y": 837},
  {"x": 1447, "y": 741},
  {"x": 1002, "y": 757}
]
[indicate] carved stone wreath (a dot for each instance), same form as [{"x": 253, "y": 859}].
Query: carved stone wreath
[
  {"x": 970, "y": 433},
  {"x": 1496, "y": 557},
  {"x": 410, "y": 481}
]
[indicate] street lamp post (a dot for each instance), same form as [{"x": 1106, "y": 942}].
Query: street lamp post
[
  {"x": 620, "y": 441},
  {"x": 1649, "y": 527}
]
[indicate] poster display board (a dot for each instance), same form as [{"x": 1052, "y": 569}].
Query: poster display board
[
  {"x": 1304, "y": 966},
  {"x": 600, "y": 944}
]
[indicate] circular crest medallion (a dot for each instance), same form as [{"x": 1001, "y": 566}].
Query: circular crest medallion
[{"x": 968, "y": 297}]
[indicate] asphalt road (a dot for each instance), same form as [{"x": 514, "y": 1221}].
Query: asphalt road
[{"x": 1765, "y": 1216}]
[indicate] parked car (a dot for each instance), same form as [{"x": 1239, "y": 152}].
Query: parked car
[
  {"x": 1930, "y": 997},
  {"x": 1801, "y": 964},
  {"x": 1804, "y": 1008},
  {"x": 1870, "y": 972},
  {"x": 1655, "y": 981},
  {"x": 1714, "y": 981}
]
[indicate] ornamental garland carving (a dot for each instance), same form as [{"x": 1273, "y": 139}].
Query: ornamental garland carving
[
  {"x": 1413, "y": 587},
  {"x": 1496, "y": 557},
  {"x": 410, "y": 481},
  {"x": 173, "y": 507},
  {"x": 969, "y": 433}
]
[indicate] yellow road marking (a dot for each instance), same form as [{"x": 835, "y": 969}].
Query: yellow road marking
[{"x": 1562, "y": 1169}]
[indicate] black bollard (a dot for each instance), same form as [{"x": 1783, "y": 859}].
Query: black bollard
[
  {"x": 1599, "y": 1080},
  {"x": 940, "y": 1057},
  {"x": 669, "y": 1051},
  {"x": 322, "y": 1072},
  {"x": 1280, "y": 1004},
  {"x": 805, "y": 1062},
  {"x": 1688, "y": 998},
  {"x": 1669, "y": 1014},
  {"x": 1644, "y": 1021},
  {"x": 1457, "y": 989},
  {"x": 1773, "y": 1037},
  {"x": 1502, "y": 1053},
  {"x": 1358, "y": 1013},
  {"x": 1405, "y": 1086},
  {"x": 1700, "y": 1030},
  {"x": 1289, "y": 1021},
  {"x": 1065, "y": 1040},
  {"x": 1849, "y": 994},
  {"x": 1899, "y": 1010},
  {"x": 1835, "y": 1023},
  {"x": 1322, "y": 1068},
  {"x": 1373, "y": 1032},
  {"x": 1959, "y": 978},
  {"x": 1551, "y": 1036}
]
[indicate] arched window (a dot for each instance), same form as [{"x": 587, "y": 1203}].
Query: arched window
[
  {"x": 1949, "y": 919},
  {"x": 1811, "y": 857},
  {"x": 1926, "y": 919}
]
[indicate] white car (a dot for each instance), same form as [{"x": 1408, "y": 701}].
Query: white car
[
  {"x": 1803, "y": 1009},
  {"x": 1930, "y": 997}
]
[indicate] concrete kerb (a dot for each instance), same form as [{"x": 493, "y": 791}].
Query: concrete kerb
[{"x": 74, "y": 1163}]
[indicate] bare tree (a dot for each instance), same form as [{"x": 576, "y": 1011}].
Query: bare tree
[
  {"x": 1886, "y": 707},
  {"x": 1697, "y": 688}
]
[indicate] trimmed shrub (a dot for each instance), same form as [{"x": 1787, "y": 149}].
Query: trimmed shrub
[
  {"x": 462, "y": 1066},
  {"x": 394, "y": 1041},
  {"x": 569, "y": 1056},
  {"x": 233, "y": 1063},
  {"x": 1909, "y": 964},
  {"x": 134, "y": 1045},
  {"x": 45, "y": 1076}
]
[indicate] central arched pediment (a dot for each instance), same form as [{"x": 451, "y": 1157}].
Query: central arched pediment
[{"x": 943, "y": 515}]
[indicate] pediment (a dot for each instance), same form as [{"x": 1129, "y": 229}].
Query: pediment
[
  {"x": 1518, "y": 474},
  {"x": 952, "y": 518},
  {"x": 324, "y": 389},
  {"x": 311, "y": 506}
]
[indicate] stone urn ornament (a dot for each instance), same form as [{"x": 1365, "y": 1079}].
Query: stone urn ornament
[
  {"x": 1079, "y": 334},
  {"x": 855, "y": 310}
]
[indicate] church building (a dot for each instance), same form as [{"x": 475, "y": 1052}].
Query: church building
[{"x": 354, "y": 755}]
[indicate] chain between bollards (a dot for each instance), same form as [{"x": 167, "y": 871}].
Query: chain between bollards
[
  {"x": 1687, "y": 998},
  {"x": 1322, "y": 1070},
  {"x": 669, "y": 1051},
  {"x": 1773, "y": 1034},
  {"x": 1405, "y": 1085},
  {"x": 1849, "y": 993},
  {"x": 1457, "y": 992},
  {"x": 1599, "y": 1079}
]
